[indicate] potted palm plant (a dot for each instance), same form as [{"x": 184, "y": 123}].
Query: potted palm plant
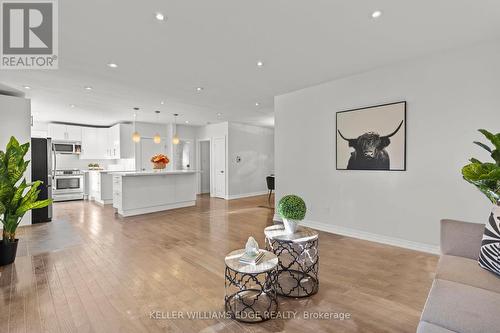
[
  {"x": 16, "y": 196},
  {"x": 486, "y": 177},
  {"x": 292, "y": 210}
]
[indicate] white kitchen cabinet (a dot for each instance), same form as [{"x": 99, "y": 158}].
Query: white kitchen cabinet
[
  {"x": 74, "y": 133},
  {"x": 61, "y": 132},
  {"x": 104, "y": 143},
  {"x": 101, "y": 187}
]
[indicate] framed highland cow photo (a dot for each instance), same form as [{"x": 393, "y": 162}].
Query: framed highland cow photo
[{"x": 372, "y": 138}]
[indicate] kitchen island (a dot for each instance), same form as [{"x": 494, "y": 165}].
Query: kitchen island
[{"x": 143, "y": 192}]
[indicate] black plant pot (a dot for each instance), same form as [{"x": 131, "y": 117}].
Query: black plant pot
[{"x": 8, "y": 252}]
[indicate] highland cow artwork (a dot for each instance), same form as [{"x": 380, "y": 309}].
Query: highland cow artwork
[{"x": 372, "y": 138}]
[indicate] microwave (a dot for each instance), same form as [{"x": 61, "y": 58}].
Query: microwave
[{"x": 67, "y": 148}]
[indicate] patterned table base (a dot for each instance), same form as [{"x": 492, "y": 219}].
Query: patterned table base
[
  {"x": 251, "y": 298},
  {"x": 297, "y": 267}
]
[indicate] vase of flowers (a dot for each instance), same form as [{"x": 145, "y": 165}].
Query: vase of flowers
[
  {"x": 292, "y": 209},
  {"x": 159, "y": 161}
]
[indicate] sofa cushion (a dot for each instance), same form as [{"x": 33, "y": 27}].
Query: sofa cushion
[
  {"x": 466, "y": 271},
  {"x": 489, "y": 256},
  {"x": 462, "y": 308},
  {"x": 425, "y": 327}
]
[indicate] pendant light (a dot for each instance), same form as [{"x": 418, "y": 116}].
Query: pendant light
[
  {"x": 175, "y": 138},
  {"x": 157, "y": 137},
  {"x": 136, "y": 137}
]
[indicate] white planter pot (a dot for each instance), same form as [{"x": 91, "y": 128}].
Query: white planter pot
[{"x": 290, "y": 225}]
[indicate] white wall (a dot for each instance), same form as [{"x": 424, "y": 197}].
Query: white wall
[
  {"x": 255, "y": 146},
  {"x": 15, "y": 120},
  {"x": 449, "y": 97}
]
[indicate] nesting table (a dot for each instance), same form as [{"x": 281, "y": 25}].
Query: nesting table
[
  {"x": 298, "y": 260},
  {"x": 251, "y": 289}
]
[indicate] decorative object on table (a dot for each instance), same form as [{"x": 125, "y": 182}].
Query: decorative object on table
[
  {"x": 94, "y": 166},
  {"x": 486, "y": 177},
  {"x": 250, "y": 290},
  {"x": 252, "y": 253},
  {"x": 298, "y": 257},
  {"x": 160, "y": 161},
  {"x": 292, "y": 210},
  {"x": 16, "y": 196},
  {"x": 372, "y": 138}
]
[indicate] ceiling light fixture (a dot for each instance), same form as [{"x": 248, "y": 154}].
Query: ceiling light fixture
[
  {"x": 260, "y": 63},
  {"x": 157, "y": 137},
  {"x": 88, "y": 88},
  {"x": 72, "y": 106},
  {"x": 257, "y": 104},
  {"x": 198, "y": 89},
  {"x": 376, "y": 14},
  {"x": 187, "y": 121},
  {"x": 112, "y": 65},
  {"x": 136, "y": 137},
  {"x": 162, "y": 102},
  {"x": 27, "y": 87},
  {"x": 175, "y": 138},
  {"x": 219, "y": 114},
  {"x": 160, "y": 17}
]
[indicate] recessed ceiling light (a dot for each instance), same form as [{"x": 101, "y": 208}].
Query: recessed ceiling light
[
  {"x": 27, "y": 87},
  {"x": 219, "y": 114},
  {"x": 112, "y": 65},
  {"x": 376, "y": 14},
  {"x": 72, "y": 106},
  {"x": 187, "y": 121},
  {"x": 162, "y": 102},
  {"x": 260, "y": 64},
  {"x": 199, "y": 89},
  {"x": 88, "y": 88},
  {"x": 160, "y": 17},
  {"x": 257, "y": 104}
]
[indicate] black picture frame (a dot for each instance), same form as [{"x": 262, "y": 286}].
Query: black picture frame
[{"x": 367, "y": 109}]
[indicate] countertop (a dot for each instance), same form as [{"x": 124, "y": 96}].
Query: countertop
[{"x": 152, "y": 173}]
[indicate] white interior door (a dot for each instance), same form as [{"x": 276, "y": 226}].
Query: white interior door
[
  {"x": 149, "y": 149},
  {"x": 219, "y": 163}
]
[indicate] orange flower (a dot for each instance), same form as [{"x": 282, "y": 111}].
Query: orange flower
[{"x": 160, "y": 158}]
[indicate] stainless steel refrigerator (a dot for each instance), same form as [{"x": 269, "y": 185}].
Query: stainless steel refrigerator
[{"x": 41, "y": 169}]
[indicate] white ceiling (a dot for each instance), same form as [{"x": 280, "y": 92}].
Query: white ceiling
[{"x": 216, "y": 44}]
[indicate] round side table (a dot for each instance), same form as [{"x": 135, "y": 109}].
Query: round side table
[
  {"x": 298, "y": 260},
  {"x": 250, "y": 291}
]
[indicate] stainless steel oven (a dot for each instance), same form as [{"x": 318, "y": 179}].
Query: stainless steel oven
[{"x": 67, "y": 185}]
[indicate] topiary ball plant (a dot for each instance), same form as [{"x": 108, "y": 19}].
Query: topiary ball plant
[{"x": 292, "y": 207}]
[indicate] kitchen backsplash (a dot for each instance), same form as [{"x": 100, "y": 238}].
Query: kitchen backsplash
[{"x": 74, "y": 162}]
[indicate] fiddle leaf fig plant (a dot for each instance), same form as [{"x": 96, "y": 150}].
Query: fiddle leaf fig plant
[
  {"x": 16, "y": 196},
  {"x": 486, "y": 175}
]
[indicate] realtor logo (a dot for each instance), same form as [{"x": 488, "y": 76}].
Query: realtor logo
[{"x": 29, "y": 34}]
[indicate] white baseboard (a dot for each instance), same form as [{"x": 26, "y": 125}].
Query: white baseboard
[
  {"x": 154, "y": 209},
  {"x": 354, "y": 233},
  {"x": 245, "y": 195}
]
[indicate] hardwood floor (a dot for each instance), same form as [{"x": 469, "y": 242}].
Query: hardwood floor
[{"x": 90, "y": 271}]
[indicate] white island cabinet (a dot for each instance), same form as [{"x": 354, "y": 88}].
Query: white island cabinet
[{"x": 136, "y": 193}]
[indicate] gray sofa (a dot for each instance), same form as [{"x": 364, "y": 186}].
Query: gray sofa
[{"x": 464, "y": 297}]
